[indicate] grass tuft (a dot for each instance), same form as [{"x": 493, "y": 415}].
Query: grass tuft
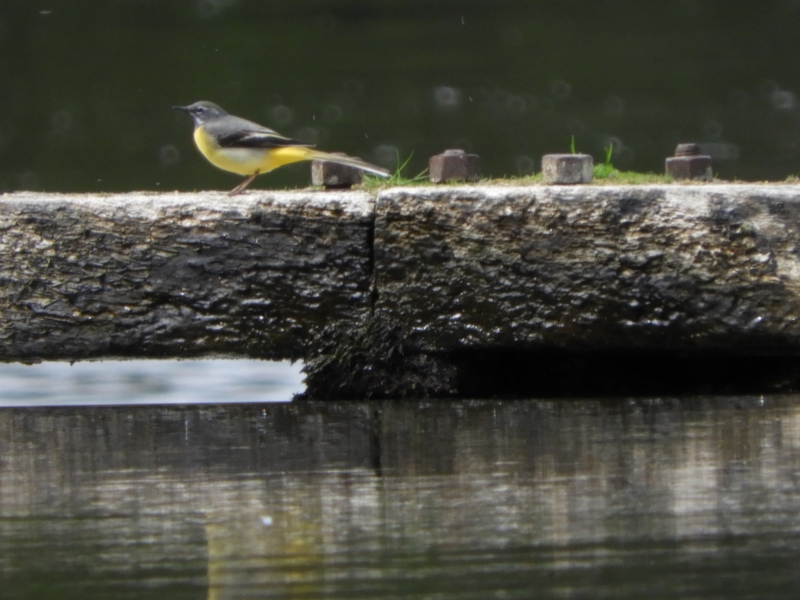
[{"x": 396, "y": 179}]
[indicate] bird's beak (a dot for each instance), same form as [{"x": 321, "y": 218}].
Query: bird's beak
[{"x": 183, "y": 108}]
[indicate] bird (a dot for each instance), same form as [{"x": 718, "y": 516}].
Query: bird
[{"x": 247, "y": 148}]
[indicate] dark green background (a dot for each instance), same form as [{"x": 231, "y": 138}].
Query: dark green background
[{"x": 86, "y": 86}]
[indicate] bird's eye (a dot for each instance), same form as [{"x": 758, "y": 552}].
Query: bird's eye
[{"x": 200, "y": 109}]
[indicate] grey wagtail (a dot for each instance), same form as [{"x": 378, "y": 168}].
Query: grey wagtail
[{"x": 240, "y": 146}]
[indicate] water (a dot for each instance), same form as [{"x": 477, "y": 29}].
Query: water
[
  {"x": 691, "y": 498},
  {"x": 86, "y": 86},
  {"x": 148, "y": 382}
]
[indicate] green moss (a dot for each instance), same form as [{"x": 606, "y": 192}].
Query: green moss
[
  {"x": 613, "y": 176},
  {"x": 602, "y": 176}
]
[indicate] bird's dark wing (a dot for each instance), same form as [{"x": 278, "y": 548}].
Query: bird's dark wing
[
  {"x": 257, "y": 139},
  {"x": 233, "y": 132}
]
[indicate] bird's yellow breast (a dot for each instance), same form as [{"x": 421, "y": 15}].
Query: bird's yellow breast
[{"x": 247, "y": 161}]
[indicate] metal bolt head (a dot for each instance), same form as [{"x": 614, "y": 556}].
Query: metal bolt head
[
  {"x": 333, "y": 175},
  {"x": 687, "y": 150},
  {"x": 454, "y": 165},
  {"x": 567, "y": 169},
  {"x": 688, "y": 163}
]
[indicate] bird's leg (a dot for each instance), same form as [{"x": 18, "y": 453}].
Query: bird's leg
[{"x": 240, "y": 188}]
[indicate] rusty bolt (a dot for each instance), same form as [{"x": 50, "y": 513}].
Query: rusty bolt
[
  {"x": 688, "y": 163},
  {"x": 567, "y": 169},
  {"x": 454, "y": 165},
  {"x": 334, "y": 175}
]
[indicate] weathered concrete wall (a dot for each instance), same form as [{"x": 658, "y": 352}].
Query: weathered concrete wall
[
  {"x": 382, "y": 295},
  {"x": 701, "y": 266},
  {"x": 179, "y": 275}
]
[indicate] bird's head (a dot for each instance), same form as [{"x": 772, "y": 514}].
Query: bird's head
[{"x": 202, "y": 112}]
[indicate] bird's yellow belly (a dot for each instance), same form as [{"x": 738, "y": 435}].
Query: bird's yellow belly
[{"x": 247, "y": 161}]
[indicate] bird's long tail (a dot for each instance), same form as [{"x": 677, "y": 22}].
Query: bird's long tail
[{"x": 350, "y": 161}]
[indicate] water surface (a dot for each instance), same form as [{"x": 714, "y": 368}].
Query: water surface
[
  {"x": 148, "y": 382},
  {"x": 86, "y": 86},
  {"x": 693, "y": 498}
]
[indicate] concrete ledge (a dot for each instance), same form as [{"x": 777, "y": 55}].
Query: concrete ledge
[
  {"x": 180, "y": 275},
  {"x": 712, "y": 266},
  {"x": 390, "y": 291}
]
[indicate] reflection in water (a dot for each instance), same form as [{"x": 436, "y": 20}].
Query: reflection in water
[
  {"x": 690, "y": 498},
  {"x": 211, "y": 381}
]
